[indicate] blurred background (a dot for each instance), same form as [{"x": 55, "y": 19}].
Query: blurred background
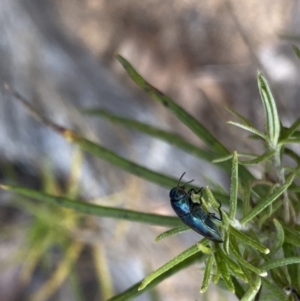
[{"x": 59, "y": 55}]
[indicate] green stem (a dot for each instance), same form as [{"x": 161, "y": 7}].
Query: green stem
[{"x": 118, "y": 213}]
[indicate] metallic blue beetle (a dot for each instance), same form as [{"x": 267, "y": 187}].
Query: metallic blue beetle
[{"x": 192, "y": 214}]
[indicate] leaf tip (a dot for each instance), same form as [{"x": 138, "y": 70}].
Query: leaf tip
[
  {"x": 117, "y": 55},
  {"x": 259, "y": 73},
  {"x": 263, "y": 274},
  {"x": 142, "y": 286}
]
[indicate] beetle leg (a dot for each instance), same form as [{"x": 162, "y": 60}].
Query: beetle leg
[
  {"x": 193, "y": 191},
  {"x": 213, "y": 215},
  {"x": 193, "y": 205}
]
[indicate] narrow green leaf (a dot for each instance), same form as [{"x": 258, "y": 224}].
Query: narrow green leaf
[
  {"x": 175, "y": 261},
  {"x": 133, "y": 292},
  {"x": 103, "y": 211},
  {"x": 170, "y": 138},
  {"x": 239, "y": 116},
  {"x": 248, "y": 274},
  {"x": 291, "y": 130},
  {"x": 279, "y": 236},
  {"x": 172, "y": 232},
  {"x": 279, "y": 276},
  {"x": 249, "y": 129},
  {"x": 236, "y": 253},
  {"x": 268, "y": 201},
  {"x": 255, "y": 137},
  {"x": 296, "y": 134},
  {"x": 275, "y": 263},
  {"x": 292, "y": 154},
  {"x": 229, "y": 282},
  {"x": 229, "y": 157},
  {"x": 289, "y": 230},
  {"x": 297, "y": 51},
  {"x": 265, "y": 215},
  {"x": 211, "y": 199},
  {"x": 224, "y": 271},
  {"x": 271, "y": 115},
  {"x": 223, "y": 159},
  {"x": 236, "y": 274},
  {"x": 119, "y": 161},
  {"x": 290, "y": 140},
  {"x": 259, "y": 159},
  {"x": 217, "y": 276},
  {"x": 293, "y": 269},
  {"x": 233, "y": 266},
  {"x": 277, "y": 292},
  {"x": 226, "y": 241},
  {"x": 218, "y": 149},
  {"x": 291, "y": 238},
  {"x": 233, "y": 187},
  {"x": 249, "y": 241},
  {"x": 194, "y": 125},
  {"x": 207, "y": 274},
  {"x": 239, "y": 291},
  {"x": 204, "y": 249},
  {"x": 253, "y": 290},
  {"x": 246, "y": 198}
]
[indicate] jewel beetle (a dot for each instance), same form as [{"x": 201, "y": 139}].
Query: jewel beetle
[{"x": 192, "y": 214}]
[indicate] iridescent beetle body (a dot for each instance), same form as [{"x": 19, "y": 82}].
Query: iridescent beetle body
[{"x": 192, "y": 214}]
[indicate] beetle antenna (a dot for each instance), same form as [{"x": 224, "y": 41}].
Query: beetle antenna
[
  {"x": 188, "y": 182},
  {"x": 180, "y": 179},
  {"x": 185, "y": 182}
]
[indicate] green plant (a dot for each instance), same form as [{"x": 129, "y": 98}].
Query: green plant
[
  {"x": 259, "y": 256},
  {"x": 53, "y": 238}
]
